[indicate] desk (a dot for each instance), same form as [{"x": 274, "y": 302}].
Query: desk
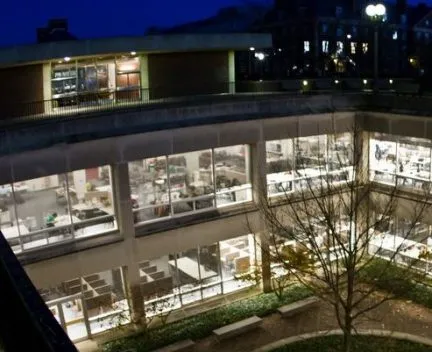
[
  {"x": 63, "y": 220},
  {"x": 190, "y": 268},
  {"x": 147, "y": 276},
  {"x": 390, "y": 242},
  {"x": 12, "y": 232},
  {"x": 311, "y": 172}
]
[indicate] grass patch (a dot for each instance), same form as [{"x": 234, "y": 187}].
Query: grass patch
[
  {"x": 202, "y": 325},
  {"x": 399, "y": 281},
  {"x": 360, "y": 344}
]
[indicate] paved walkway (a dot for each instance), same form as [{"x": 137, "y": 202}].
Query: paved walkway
[
  {"x": 398, "y": 316},
  {"x": 394, "y": 316}
]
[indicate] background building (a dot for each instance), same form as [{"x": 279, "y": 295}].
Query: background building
[{"x": 325, "y": 38}]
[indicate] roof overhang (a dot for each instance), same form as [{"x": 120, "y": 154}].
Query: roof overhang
[{"x": 26, "y": 54}]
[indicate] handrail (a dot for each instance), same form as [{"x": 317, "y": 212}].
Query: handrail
[{"x": 88, "y": 103}]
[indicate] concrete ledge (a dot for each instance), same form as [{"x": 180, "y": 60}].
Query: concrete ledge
[
  {"x": 364, "y": 332},
  {"x": 184, "y": 345},
  {"x": 237, "y": 328},
  {"x": 297, "y": 307}
]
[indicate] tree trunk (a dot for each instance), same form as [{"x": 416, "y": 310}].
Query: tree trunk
[
  {"x": 347, "y": 335},
  {"x": 347, "y": 345}
]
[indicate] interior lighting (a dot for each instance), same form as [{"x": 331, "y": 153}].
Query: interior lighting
[
  {"x": 252, "y": 48},
  {"x": 67, "y": 59},
  {"x": 365, "y": 81},
  {"x": 260, "y": 56},
  {"x": 305, "y": 83},
  {"x": 133, "y": 53},
  {"x": 390, "y": 81},
  {"x": 336, "y": 81}
]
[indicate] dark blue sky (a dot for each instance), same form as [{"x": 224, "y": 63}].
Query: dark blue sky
[{"x": 95, "y": 18}]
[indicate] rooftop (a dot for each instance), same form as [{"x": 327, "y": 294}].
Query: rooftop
[{"x": 17, "y": 55}]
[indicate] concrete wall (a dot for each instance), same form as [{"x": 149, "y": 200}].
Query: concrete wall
[
  {"x": 188, "y": 74},
  {"x": 21, "y": 91},
  {"x": 69, "y": 157}
]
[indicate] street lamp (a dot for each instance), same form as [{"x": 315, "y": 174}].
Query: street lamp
[{"x": 377, "y": 14}]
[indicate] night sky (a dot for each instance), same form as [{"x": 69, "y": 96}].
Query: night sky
[{"x": 101, "y": 18}]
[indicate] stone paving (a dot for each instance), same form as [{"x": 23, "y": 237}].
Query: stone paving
[{"x": 400, "y": 316}]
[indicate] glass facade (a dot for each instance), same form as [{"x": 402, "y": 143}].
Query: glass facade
[
  {"x": 57, "y": 208},
  {"x": 89, "y": 305},
  {"x": 409, "y": 240},
  {"x": 174, "y": 280},
  {"x": 95, "y": 81},
  {"x": 184, "y": 183},
  {"x": 402, "y": 160},
  {"x": 298, "y": 163},
  {"x": 78, "y": 204}
]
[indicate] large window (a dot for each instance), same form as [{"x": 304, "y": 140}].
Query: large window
[
  {"x": 90, "y": 304},
  {"x": 231, "y": 165},
  {"x": 280, "y": 166},
  {"x": 408, "y": 239},
  {"x": 174, "y": 280},
  {"x": 191, "y": 181},
  {"x": 300, "y": 163},
  {"x": 404, "y": 160},
  {"x": 95, "y": 81},
  {"x": 382, "y": 159},
  {"x": 237, "y": 256},
  {"x": 57, "y": 208},
  {"x": 181, "y": 184},
  {"x": 414, "y": 162}
]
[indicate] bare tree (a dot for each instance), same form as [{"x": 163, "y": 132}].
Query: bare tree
[{"x": 329, "y": 223}]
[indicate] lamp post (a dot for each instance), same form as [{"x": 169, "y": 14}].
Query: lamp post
[{"x": 376, "y": 13}]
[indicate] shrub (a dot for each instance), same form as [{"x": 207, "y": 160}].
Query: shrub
[
  {"x": 360, "y": 344},
  {"x": 400, "y": 281},
  {"x": 202, "y": 325}
]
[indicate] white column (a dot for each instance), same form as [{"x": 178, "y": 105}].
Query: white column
[
  {"x": 125, "y": 220},
  {"x": 259, "y": 190},
  {"x": 145, "y": 96},
  {"x": 231, "y": 71},
  {"x": 46, "y": 75}
]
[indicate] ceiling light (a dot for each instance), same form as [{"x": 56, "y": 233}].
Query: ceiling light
[{"x": 67, "y": 58}]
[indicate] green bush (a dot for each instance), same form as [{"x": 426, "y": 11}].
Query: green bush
[
  {"x": 401, "y": 282},
  {"x": 202, "y": 325},
  {"x": 360, "y": 344}
]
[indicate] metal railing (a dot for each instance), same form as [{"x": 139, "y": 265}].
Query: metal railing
[{"x": 82, "y": 104}]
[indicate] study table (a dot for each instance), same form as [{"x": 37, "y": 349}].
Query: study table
[{"x": 191, "y": 268}]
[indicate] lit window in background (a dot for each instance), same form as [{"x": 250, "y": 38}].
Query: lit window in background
[
  {"x": 325, "y": 46},
  {"x": 353, "y": 47},
  {"x": 339, "y": 47},
  {"x": 306, "y": 46},
  {"x": 365, "y": 47}
]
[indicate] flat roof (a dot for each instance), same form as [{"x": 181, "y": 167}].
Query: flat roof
[{"x": 18, "y": 55}]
